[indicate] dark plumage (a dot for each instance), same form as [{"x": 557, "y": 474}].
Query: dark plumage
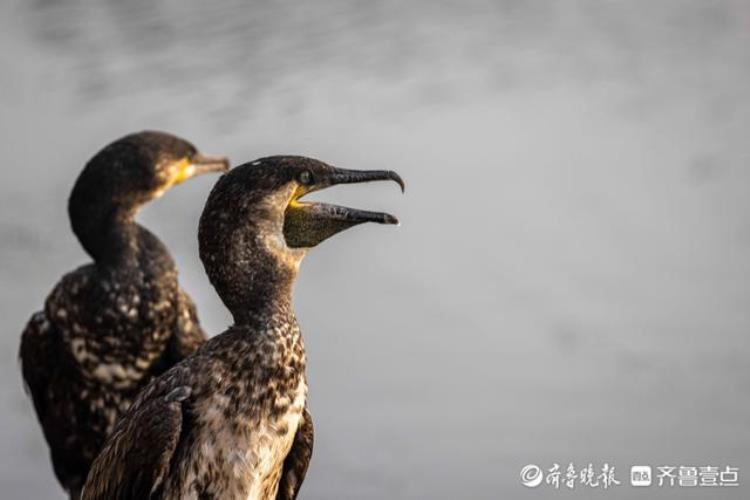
[
  {"x": 230, "y": 421},
  {"x": 108, "y": 327}
]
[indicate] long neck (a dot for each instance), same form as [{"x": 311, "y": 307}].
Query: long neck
[
  {"x": 109, "y": 240},
  {"x": 106, "y": 228},
  {"x": 251, "y": 270}
]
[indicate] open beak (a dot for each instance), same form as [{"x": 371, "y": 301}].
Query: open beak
[
  {"x": 306, "y": 224},
  {"x": 200, "y": 164}
]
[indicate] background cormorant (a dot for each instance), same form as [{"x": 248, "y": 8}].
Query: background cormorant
[
  {"x": 111, "y": 325},
  {"x": 231, "y": 420}
]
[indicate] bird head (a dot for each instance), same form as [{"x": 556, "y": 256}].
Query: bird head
[
  {"x": 142, "y": 166},
  {"x": 256, "y": 227}
]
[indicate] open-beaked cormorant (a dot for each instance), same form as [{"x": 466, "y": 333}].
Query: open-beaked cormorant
[
  {"x": 231, "y": 421},
  {"x": 108, "y": 327}
]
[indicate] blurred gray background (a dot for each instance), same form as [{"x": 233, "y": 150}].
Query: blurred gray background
[{"x": 570, "y": 282}]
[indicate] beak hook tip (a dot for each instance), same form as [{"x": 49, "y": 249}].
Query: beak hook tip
[{"x": 397, "y": 178}]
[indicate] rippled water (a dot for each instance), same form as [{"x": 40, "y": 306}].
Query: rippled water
[{"x": 570, "y": 280}]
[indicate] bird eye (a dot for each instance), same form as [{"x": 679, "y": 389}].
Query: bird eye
[{"x": 305, "y": 177}]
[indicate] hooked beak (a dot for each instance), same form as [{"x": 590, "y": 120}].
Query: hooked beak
[
  {"x": 306, "y": 224},
  {"x": 200, "y": 164}
]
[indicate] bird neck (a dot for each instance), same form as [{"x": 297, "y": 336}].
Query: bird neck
[
  {"x": 262, "y": 286},
  {"x": 252, "y": 271},
  {"x": 267, "y": 315},
  {"x": 107, "y": 230}
]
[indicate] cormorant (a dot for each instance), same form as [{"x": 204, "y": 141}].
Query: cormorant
[
  {"x": 231, "y": 421},
  {"x": 108, "y": 327}
]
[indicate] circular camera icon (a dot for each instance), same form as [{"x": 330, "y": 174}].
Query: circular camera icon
[{"x": 531, "y": 476}]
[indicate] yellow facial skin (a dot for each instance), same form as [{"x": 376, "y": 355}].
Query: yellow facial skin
[
  {"x": 184, "y": 170},
  {"x": 298, "y": 193},
  {"x": 177, "y": 173}
]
